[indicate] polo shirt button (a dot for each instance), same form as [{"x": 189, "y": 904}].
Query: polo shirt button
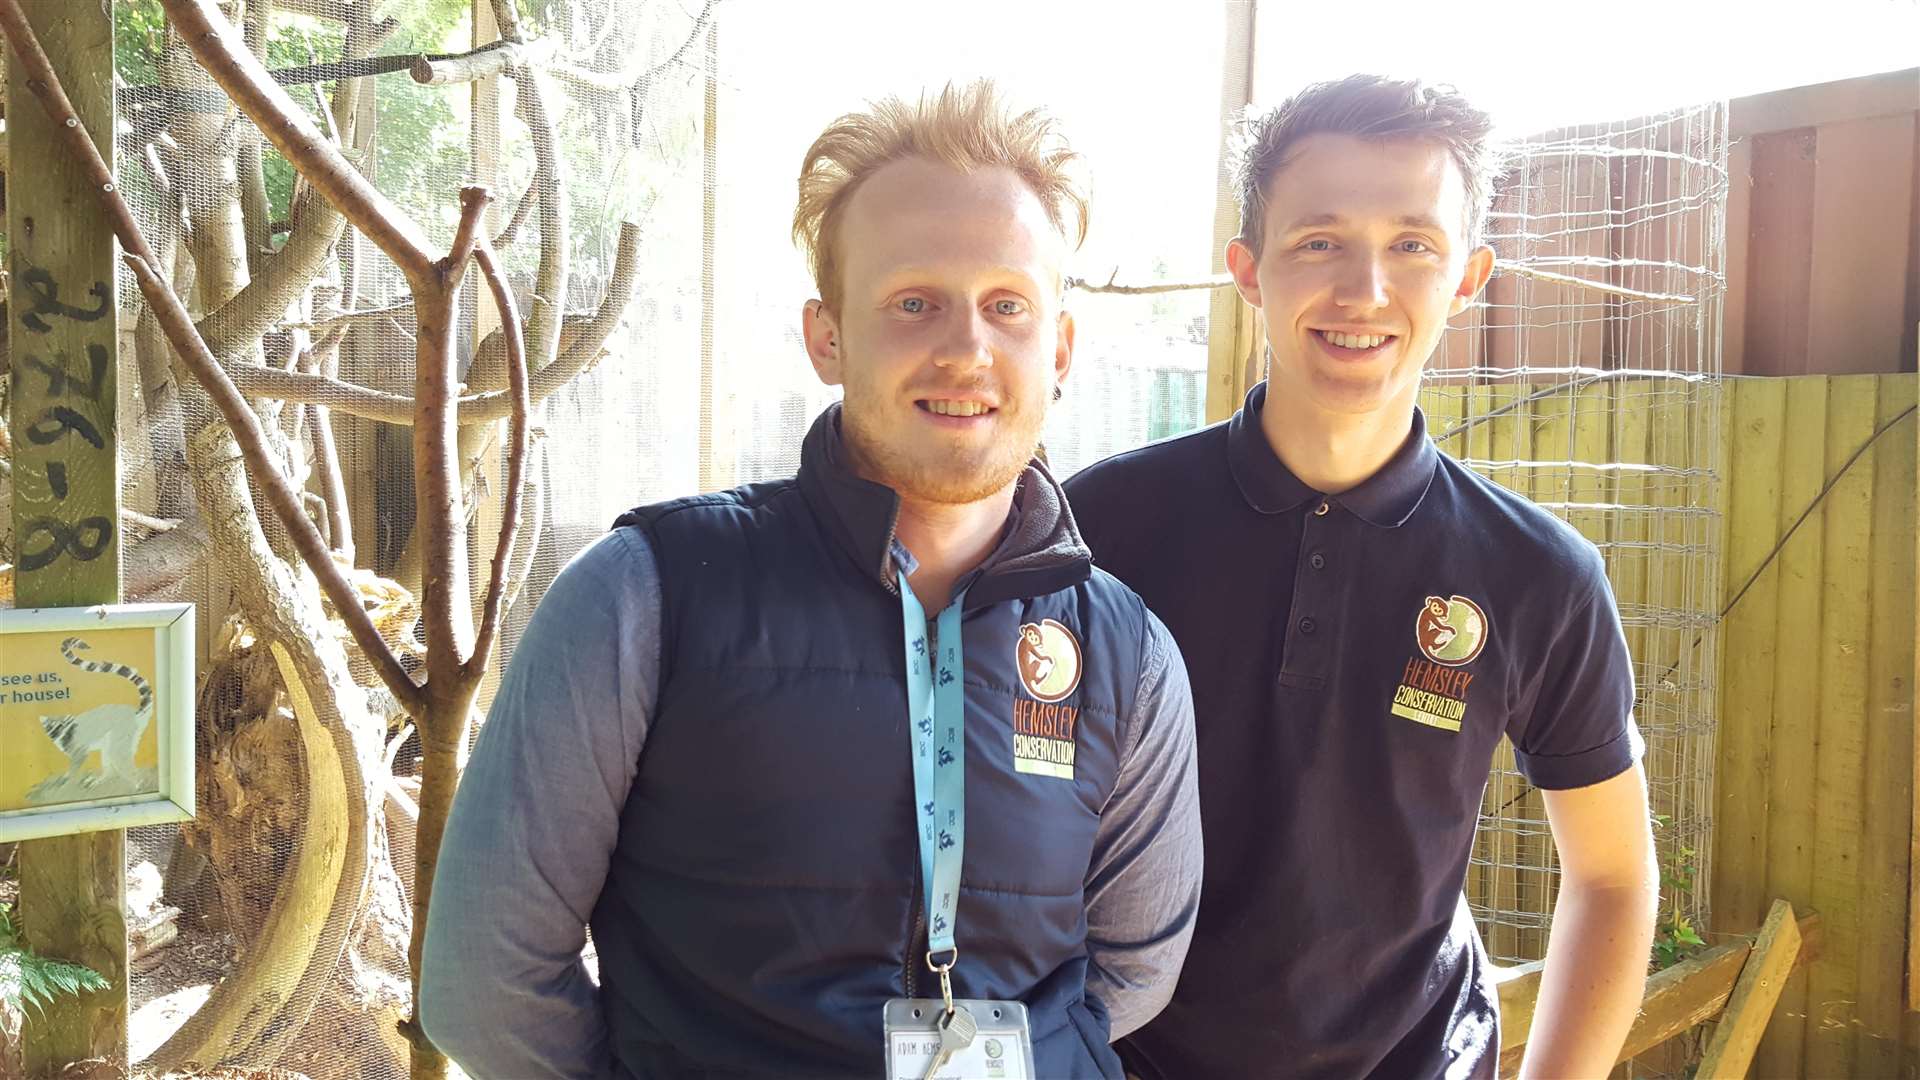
[
  {"x": 1317, "y": 561},
  {"x": 1321, "y": 510},
  {"x": 1307, "y": 625}
]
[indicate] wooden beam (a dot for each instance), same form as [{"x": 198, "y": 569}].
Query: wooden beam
[
  {"x": 719, "y": 448},
  {"x": 61, "y": 324},
  {"x": 1683, "y": 995},
  {"x": 1860, "y": 98},
  {"x": 1761, "y": 979},
  {"x": 1232, "y": 326}
]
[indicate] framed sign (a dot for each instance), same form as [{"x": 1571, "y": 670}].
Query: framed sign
[{"x": 96, "y": 718}]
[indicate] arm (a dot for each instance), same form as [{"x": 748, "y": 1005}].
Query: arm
[
  {"x": 1143, "y": 883},
  {"x": 1602, "y": 928},
  {"x": 502, "y": 987},
  {"x": 1580, "y": 746}
]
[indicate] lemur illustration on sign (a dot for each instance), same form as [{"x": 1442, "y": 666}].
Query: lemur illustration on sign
[{"x": 112, "y": 730}]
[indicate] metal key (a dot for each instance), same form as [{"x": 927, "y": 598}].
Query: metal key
[{"x": 957, "y": 1030}]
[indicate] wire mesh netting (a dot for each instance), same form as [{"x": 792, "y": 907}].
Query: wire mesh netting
[{"x": 1589, "y": 380}]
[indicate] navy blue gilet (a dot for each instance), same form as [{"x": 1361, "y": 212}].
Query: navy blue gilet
[{"x": 764, "y": 900}]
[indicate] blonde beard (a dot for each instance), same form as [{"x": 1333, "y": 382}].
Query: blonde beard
[{"x": 950, "y": 483}]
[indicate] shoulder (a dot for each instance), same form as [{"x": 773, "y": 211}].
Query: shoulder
[
  {"x": 616, "y": 571},
  {"x": 1515, "y": 531},
  {"x": 745, "y": 499},
  {"x": 1166, "y": 462}
]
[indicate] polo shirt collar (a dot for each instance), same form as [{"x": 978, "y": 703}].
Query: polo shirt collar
[{"x": 1386, "y": 499}]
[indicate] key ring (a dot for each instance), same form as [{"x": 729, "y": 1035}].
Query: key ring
[{"x": 944, "y": 971}]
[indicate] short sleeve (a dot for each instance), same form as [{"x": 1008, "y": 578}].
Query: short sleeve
[{"x": 1576, "y": 725}]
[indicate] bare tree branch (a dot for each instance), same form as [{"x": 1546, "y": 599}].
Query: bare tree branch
[
  {"x": 173, "y": 318},
  {"x": 1083, "y": 285},
  {"x": 582, "y": 349},
  {"x": 580, "y": 342},
  {"x": 550, "y": 279},
  {"x": 321, "y": 359},
  {"x": 476, "y": 664},
  {"x": 489, "y": 59},
  {"x": 1516, "y": 269},
  {"x": 285, "y": 124},
  {"x": 283, "y": 276},
  {"x": 438, "y": 521}
]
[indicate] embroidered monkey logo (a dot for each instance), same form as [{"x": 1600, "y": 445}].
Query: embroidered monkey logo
[
  {"x": 1048, "y": 659},
  {"x": 1451, "y": 632}
]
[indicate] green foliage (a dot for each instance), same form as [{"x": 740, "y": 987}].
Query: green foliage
[
  {"x": 1675, "y": 938},
  {"x": 139, "y": 29},
  {"x": 31, "y": 981}
]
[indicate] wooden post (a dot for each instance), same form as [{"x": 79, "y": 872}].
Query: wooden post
[
  {"x": 1234, "y": 335},
  {"x": 1751, "y": 1006},
  {"x": 719, "y": 448},
  {"x": 66, "y": 496}
]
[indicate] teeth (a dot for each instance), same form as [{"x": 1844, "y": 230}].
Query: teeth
[
  {"x": 1355, "y": 341},
  {"x": 956, "y": 408}
]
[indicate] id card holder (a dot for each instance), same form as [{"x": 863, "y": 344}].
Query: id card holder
[{"x": 1002, "y": 1048}]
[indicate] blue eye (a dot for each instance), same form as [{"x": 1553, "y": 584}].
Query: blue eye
[
  {"x": 1009, "y": 307},
  {"x": 1414, "y": 247},
  {"x": 1318, "y": 245},
  {"x": 913, "y": 305}
]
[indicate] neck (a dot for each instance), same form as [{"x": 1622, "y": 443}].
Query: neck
[
  {"x": 1333, "y": 453},
  {"x": 948, "y": 540}
]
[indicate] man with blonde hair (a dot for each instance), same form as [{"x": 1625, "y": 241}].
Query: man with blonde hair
[{"x": 867, "y": 772}]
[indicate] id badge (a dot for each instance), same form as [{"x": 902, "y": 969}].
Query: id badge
[{"x": 1002, "y": 1048}]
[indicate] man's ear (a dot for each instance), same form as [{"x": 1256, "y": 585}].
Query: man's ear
[
  {"x": 822, "y": 333},
  {"x": 1062, "y": 349},
  {"x": 1244, "y": 265},
  {"x": 1472, "y": 279}
]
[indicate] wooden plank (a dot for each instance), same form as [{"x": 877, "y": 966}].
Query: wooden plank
[
  {"x": 1862, "y": 197},
  {"x": 1688, "y": 993},
  {"x": 719, "y": 447},
  {"x": 66, "y": 501},
  {"x": 1228, "y": 322},
  {"x": 1796, "y": 699},
  {"x": 1630, "y": 569},
  {"x": 1733, "y": 315},
  {"x": 1888, "y": 720},
  {"x": 1755, "y": 429},
  {"x": 1754, "y": 996},
  {"x": 1780, "y": 239},
  {"x": 1839, "y": 816},
  {"x": 1858, "y": 98}
]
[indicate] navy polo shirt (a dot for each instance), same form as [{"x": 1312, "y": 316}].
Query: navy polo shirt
[{"x": 1355, "y": 660}]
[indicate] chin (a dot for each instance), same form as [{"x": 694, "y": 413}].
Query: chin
[{"x": 953, "y": 482}]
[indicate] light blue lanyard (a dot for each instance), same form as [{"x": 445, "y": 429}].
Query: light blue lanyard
[{"x": 937, "y": 710}]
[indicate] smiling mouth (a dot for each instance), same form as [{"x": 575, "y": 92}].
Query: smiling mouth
[
  {"x": 958, "y": 409},
  {"x": 1354, "y": 345}
]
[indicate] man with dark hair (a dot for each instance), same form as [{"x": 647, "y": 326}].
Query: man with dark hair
[
  {"x": 848, "y": 769},
  {"x": 1363, "y": 619}
]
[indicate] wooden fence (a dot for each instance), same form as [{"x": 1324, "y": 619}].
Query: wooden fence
[
  {"x": 1808, "y": 528},
  {"x": 1814, "y": 799}
]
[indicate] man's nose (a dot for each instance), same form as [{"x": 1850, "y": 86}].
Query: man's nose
[
  {"x": 1362, "y": 285},
  {"x": 966, "y": 345}
]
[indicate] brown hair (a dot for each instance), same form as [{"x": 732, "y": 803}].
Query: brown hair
[
  {"x": 967, "y": 128},
  {"x": 1368, "y": 107}
]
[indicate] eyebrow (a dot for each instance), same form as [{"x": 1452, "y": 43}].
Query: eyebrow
[
  {"x": 919, "y": 271},
  {"x": 1405, "y": 221}
]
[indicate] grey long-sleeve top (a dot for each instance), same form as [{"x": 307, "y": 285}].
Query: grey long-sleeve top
[{"x": 503, "y": 989}]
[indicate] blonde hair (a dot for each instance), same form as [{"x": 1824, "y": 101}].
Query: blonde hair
[{"x": 966, "y": 127}]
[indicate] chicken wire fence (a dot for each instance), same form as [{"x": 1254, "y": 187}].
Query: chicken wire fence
[{"x": 1589, "y": 380}]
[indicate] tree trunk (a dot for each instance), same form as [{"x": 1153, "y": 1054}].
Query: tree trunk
[{"x": 255, "y": 1014}]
